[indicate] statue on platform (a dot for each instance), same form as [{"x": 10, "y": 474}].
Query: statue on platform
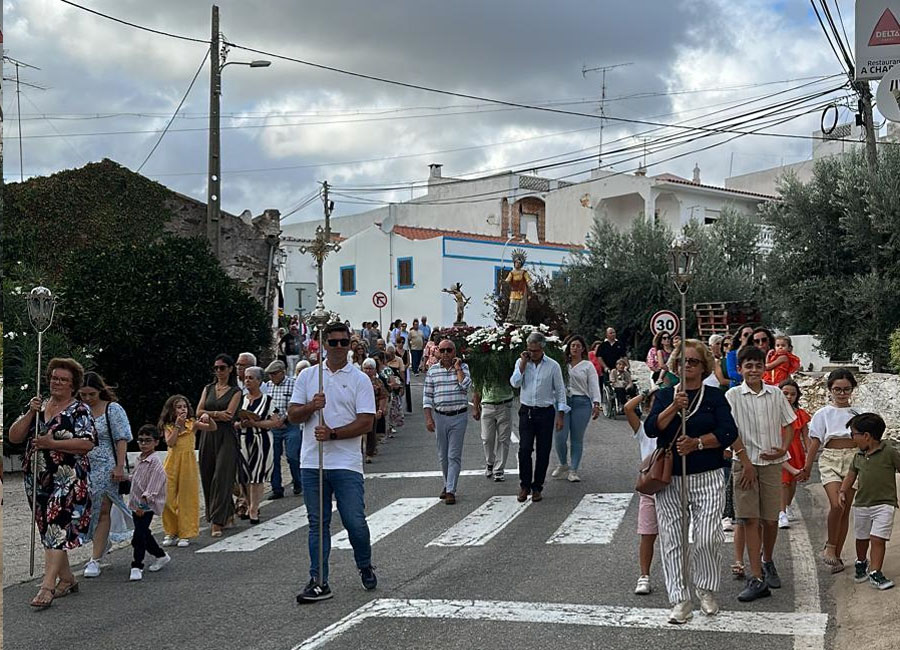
[
  {"x": 461, "y": 302},
  {"x": 518, "y": 280}
]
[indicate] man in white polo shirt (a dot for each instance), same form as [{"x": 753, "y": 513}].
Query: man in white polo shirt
[
  {"x": 348, "y": 402},
  {"x": 763, "y": 417}
]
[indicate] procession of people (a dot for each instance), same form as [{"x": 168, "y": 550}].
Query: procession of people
[{"x": 732, "y": 415}]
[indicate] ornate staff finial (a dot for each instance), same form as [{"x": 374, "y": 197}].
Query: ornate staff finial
[{"x": 41, "y": 304}]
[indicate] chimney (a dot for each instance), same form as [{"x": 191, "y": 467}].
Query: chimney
[
  {"x": 434, "y": 170},
  {"x": 696, "y": 178}
]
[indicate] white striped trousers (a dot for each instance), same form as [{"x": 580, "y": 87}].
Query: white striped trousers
[{"x": 706, "y": 498}]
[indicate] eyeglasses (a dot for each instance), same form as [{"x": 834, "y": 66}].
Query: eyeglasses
[
  {"x": 692, "y": 362},
  {"x": 60, "y": 380},
  {"x": 763, "y": 339},
  {"x": 217, "y": 368},
  {"x": 446, "y": 349},
  {"x": 664, "y": 338},
  {"x": 840, "y": 390},
  {"x": 746, "y": 335},
  {"x": 145, "y": 441},
  {"x": 333, "y": 343}
]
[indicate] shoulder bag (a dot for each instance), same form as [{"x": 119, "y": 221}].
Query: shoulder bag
[
  {"x": 124, "y": 485},
  {"x": 656, "y": 470}
]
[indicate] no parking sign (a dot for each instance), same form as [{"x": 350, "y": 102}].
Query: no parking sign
[{"x": 664, "y": 321}]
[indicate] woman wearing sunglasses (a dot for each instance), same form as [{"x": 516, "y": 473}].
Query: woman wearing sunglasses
[{"x": 219, "y": 448}]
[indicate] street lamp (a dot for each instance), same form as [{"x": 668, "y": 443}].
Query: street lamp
[
  {"x": 214, "y": 177},
  {"x": 682, "y": 256}
]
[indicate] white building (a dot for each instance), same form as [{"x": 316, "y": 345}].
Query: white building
[
  {"x": 412, "y": 265},
  {"x": 456, "y": 232}
]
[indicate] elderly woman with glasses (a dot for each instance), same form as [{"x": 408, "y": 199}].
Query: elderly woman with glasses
[
  {"x": 395, "y": 372},
  {"x": 828, "y": 431},
  {"x": 709, "y": 430},
  {"x": 219, "y": 448},
  {"x": 56, "y": 466},
  {"x": 256, "y": 420},
  {"x": 370, "y": 367}
]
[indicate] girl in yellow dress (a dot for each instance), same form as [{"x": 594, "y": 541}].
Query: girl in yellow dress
[{"x": 181, "y": 515}]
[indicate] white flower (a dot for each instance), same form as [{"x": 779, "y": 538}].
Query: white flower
[
  {"x": 10, "y": 335},
  {"x": 23, "y": 387}
]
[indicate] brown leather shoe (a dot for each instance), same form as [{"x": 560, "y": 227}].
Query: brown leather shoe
[
  {"x": 536, "y": 495},
  {"x": 450, "y": 499},
  {"x": 523, "y": 495},
  {"x": 443, "y": 495}
]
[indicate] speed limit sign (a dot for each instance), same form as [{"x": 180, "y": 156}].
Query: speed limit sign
[{"x": 664, "y": 321}]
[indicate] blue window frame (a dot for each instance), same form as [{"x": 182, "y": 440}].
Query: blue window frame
[
  {"x": 348, "y": 280},
  {"x": 499, "y": 276},
  {"x": 405, "y": 273}
]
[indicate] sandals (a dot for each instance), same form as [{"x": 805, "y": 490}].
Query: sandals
[
  {"x": 42, "y": 603},
  {"x": 62, "y": 592},
  {"x": 831, "y": 559},
  {"x": 837, "y": 568},
  {"x": 737, "y": 571}
]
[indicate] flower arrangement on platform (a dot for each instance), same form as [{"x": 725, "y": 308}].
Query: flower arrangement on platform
[
  {"x": 459, "y": 336},
  {"x": 492, "y": 352}
]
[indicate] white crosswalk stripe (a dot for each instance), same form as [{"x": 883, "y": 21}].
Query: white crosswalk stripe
[
  {"x": 258, "y": 536},
  {"x": 594, "y": 520},
  {"x": 483, "y": 524},
  {"x": 385, "y": 521}
]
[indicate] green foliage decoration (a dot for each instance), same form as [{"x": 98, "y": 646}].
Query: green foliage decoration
[{"x": 494, "y": 351}]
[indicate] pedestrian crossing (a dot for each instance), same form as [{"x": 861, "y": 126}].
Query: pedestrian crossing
[{"x": 593, "y": 521}]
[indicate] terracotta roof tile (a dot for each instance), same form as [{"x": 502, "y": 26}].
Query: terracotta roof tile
[
  {"x": 667, "y": 179},
  {"x": 414, "y": 232}
]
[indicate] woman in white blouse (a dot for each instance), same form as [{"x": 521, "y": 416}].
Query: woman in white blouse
[{"x": 583, "y": 393}]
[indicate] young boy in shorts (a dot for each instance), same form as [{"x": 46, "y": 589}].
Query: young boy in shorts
[
  {"x": 763, "y": 417},
  {"x": 876, "y": 497}
]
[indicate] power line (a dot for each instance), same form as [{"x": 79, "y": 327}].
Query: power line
[
  {"x": 180, "y": 104},
  {"x": 135, "y": 25}
]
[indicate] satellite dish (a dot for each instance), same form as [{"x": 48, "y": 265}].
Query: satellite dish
[{"x": 388, "y": 223}]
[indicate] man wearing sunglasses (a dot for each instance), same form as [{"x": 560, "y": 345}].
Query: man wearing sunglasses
[
  {"x": 446, "y": 405},
  {"x": 348, "y": 405}
]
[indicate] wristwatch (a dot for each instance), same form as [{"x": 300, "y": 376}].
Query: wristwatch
[
  {"x": 699, "y": 444},
  {"x": 333, "y": 435}
]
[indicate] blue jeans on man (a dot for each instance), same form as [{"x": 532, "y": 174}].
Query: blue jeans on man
[
  {"x": 286, "y": 440},
  {"x": 346, "y": 487}
]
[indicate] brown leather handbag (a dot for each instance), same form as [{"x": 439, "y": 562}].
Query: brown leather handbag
[{"x": 656, "y": 471}]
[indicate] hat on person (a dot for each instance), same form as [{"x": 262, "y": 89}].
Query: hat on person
[{"x": 275, "y": 366}]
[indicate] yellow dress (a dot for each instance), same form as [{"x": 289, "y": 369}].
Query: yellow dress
[{"x": 181, "y": 516}]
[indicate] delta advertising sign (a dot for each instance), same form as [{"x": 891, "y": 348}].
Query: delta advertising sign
[{"x": 877, "y": 37}]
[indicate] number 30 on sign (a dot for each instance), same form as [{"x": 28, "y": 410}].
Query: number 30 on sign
[{"x": 664, "y": 321}]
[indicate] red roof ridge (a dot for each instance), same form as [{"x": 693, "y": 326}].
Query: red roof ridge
[
  {"x": 717, "y": 187},
  {"x": 420, "y": 232}
]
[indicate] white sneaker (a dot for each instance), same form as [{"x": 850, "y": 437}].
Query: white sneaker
[
  {"x": 92, "y": 569},
  {"x": 183, "y": 543},
  {"x": 643, "y": 585},
  {"x": 727, "y": 524},
  {"x": 169, "y": 540},
  {"x": 560, "y": 471},
  {"x": 708, "y": 604},
  {"x": 136, "y": 574},
  {"x": 681, "y": 613},
  {"x": 573, "y": 477},
  {"x": 783, "y": 521},
  {"x": 159, "y": 563}
]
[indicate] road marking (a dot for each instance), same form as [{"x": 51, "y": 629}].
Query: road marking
[
  {"x": 258, "y": 536},
  {"x": 480, "y": 526},
  {"x": 385, "y": 521},
  {"x": 594, "y": 520},
  {"x": 806, "y": 581},
  {"x": 435, "y": 473},
  {"x": 763, "y": 623}
]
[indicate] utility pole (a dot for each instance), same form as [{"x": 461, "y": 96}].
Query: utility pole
[
  {"x": 214, "y": 178},
  {"x": 22, "y": 64},
  {"x": 865, "y": 105},
  {"x": 602, "y": 70}
]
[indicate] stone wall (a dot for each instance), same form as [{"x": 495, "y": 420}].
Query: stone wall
[{"x": 245, "y": 243}]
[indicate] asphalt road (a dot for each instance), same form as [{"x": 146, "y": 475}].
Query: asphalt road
[{"x": 513, "y": 591}]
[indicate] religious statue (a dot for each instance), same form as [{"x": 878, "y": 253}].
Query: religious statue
[
  {"x": 461, "y": 302},
  {"x": 518, "y": 280}
]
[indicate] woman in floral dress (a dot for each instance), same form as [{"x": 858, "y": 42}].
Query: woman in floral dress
[{"x": 56, "y": 463}]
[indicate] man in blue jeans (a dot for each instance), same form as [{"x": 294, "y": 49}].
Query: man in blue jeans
[
  {"x": 285, "y": 439},
  {"x": 348, "y": 405}
]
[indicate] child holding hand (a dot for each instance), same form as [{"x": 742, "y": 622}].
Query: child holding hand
[
  {"x": 781, "y": 362},
  {"x": 793, "y": 466},
  {"x": 875, "y": 466}
]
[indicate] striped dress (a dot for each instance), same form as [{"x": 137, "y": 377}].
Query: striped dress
[{"x": 256, "y": 460}]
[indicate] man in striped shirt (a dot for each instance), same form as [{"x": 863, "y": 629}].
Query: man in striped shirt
[
  {"x": 446, "y": 406},
  {"x": 286, "y": 439}
]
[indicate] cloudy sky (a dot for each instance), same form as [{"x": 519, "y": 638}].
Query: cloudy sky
[{"x": 110, "y": 89}]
